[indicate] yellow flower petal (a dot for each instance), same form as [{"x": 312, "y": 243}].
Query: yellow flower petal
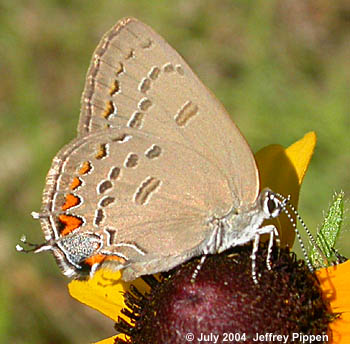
[
  {"x": 104, "y": 292},
  {"x": 111, "y": 340},
  {"x": 283, "y": 171},
  {"x": 300, "y": 153},
  {"x": 335, "y": 285}
]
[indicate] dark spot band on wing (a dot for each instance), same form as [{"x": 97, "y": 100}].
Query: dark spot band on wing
[
  {"x": 120, "y": 69},
  {"x": 104, "y": 186},
  {"x": 136, "y": 120},
  {"x": 188, "y": 111},
  {"x": 145, "y": 85},
  {"x": 130, "y": 54},
  {"x": 131, "y": 160},
  {"x": 121, "y": 138},
  {"x": 106, "y": 201},
  {"x": 168, "y": 68},
  {"x": 144, "y": 104},
  {"x": 99, "y": 217},
  {"x": 111, "y": 235},
  {"x": 145, "y": 190},
  {"x": 114, "y": 173},
  {"x": 147, "y": 44},
  {"x": 153, "y": 152},
  {"x": 154, "y": 73}
]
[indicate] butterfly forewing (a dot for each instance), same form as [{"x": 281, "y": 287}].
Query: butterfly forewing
[{"x": 137, "y": 80}]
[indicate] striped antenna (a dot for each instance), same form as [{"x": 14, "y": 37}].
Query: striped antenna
[{"x": 286, "y": 202}]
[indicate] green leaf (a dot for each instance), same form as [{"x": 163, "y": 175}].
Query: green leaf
[{"x": 328, "y": 233}]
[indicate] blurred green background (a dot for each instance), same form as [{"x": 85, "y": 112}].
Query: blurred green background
[{"x": 280, "y": 67}]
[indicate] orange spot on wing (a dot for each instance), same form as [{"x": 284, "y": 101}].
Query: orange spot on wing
[
  {"x": 76, "y": 182},
  {"x": 70, "y": 202},
  {"x": 115, "y": 88},
  {"x": 99, "y": 258},
  {"x": 70, "y": 223},
  {"x": 102, "y": 151},
  {"x": 109, "y": 110},
  {"x": 85, "y": 168}
]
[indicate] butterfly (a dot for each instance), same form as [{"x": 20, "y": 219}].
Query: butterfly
[{"x": 158, "y": 173}]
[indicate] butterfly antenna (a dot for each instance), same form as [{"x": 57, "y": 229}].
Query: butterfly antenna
[
  {"x": 285, "y": 203},
  {"x": 301, "y": 243},
  {"x": 310, "y": 236}
]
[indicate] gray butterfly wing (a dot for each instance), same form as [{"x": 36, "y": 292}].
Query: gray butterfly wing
[
  {"x": 137, "y": 80},
  {"x": 145, "y": 196},
  {"x": 156, "y": 159}
]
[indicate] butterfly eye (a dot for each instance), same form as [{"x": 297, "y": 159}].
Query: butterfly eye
[{"x": 272, "y": 205}]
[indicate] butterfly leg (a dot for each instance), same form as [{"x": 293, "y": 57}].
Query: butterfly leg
[
  {"x": 198, "y": 268},
  {"x": 253, "y": 257},
  {"x": 212, "y": 246},
  {"x": 273, "y": 233},
  {"x": 270, "y": 229}
]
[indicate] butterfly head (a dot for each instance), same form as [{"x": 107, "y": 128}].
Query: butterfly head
[{"x": 270, "y": 203}]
